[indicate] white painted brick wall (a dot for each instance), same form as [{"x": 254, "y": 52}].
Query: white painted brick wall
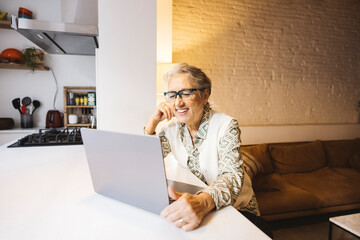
[{"x": 274, "y": 62}]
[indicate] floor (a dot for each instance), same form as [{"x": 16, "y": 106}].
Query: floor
[{"x": 314, "y": 227}]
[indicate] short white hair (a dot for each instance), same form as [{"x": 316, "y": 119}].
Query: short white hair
[{"x": 196, "y": 75}]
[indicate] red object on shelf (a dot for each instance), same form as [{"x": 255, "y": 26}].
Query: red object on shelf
[
  {"x": 24, "y": 13},
  {"x": 11, "y": 54}
]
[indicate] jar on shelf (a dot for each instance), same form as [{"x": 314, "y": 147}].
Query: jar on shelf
[{"x": 71, "y": 98}]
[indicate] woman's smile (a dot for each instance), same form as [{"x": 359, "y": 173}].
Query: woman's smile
[{"x": 182, "y": 111}]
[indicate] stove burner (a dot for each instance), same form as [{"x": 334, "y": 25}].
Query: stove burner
[{"x": 54, "y": 136}]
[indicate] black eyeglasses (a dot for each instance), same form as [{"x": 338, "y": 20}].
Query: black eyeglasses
[{"x": 185, "y": 94}]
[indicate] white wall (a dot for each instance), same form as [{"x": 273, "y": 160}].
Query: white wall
[
  {"x": 69, "y": 70},
  {"x": 49, "y": 10},
  {"x": 164, "y": 31},
  {"x": 275, "y": 62},
  {"x": 297, "y": 133},
  {"x": 126, "y": 64}
]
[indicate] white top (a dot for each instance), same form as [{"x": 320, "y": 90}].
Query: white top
[
  {"x": 46, "y": 193},
  {"x": 350, "y": 223},
  {"x": 208, "y": 149},
  {"x": 209, "y": 153}
]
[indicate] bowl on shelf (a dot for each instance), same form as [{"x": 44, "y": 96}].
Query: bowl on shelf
[
  {"x": 24, "y": 13},
  {"x": 11, "y": 54}
]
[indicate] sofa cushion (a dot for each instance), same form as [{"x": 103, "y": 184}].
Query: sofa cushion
[
  {"x": 349, "y": 172},
  {"x": 329, "y": 186},
  {"x": 252, "y": 166},
  {"x": 275, "y": 195},
  {"x": 339, "y": 152},
  {"x": 298, "y": 158},
  {"x": 261, "y": 153}
]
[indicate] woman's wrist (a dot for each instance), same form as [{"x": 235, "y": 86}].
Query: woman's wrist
[
  {"x": 208, "y": 201},
  {"x": 151, "y": 126}
]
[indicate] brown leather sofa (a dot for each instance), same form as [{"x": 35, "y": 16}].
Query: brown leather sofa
[{"x": 302, "y": 179}]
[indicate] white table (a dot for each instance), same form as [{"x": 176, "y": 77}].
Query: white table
[
  {"x": 46, "y": 193},
  {"x": 348, "y": 223}
]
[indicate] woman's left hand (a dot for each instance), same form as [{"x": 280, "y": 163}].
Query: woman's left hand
[{"x": 188, "y": 210}]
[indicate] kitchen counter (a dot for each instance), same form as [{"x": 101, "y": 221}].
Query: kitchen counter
[
  {"x": 14, "y": 134},
  {"x": 46, "y": 193}
]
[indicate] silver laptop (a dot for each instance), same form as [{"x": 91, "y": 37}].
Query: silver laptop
[{"x": 130, "y": 168}]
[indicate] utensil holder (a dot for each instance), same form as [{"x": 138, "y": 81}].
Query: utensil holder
[{"x": 26, "y": 121}]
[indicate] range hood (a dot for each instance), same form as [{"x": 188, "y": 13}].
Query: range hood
[{"x": 59, "y": 37}]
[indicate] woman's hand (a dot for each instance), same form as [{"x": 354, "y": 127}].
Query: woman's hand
[
  {"x": 188, "y": 210},
  {"x": 163, "y": 111}
]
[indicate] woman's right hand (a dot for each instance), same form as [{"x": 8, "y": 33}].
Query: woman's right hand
[{"x": 163, "y": 111}]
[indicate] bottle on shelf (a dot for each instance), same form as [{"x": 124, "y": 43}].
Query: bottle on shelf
[{"x": 77, "y": 100}]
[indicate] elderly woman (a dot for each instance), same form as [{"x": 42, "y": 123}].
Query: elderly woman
[{"x": 205, "y": 142}]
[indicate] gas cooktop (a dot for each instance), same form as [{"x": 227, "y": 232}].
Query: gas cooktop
[{"x": 51, "y": 137}]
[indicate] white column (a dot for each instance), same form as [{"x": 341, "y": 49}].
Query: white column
[{"x": 126, "y": 64}]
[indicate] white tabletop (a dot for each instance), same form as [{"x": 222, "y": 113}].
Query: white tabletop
[
  {"x": 46, "y": 193},
  {"x": 350, "y": 223}
]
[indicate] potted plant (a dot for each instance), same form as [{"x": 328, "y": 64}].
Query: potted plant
[{"x": 33, "y": 57}]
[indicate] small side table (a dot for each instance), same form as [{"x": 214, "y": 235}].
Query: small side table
[{"x": 347, "y": 223}]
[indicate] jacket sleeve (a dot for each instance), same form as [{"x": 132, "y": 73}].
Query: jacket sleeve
[
  {"x": 226, "y": 187},
  {"x": 165, "y": 145}
]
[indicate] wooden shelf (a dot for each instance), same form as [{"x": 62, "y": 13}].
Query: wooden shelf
[
  {"x": 79, "y": 88},
  {"x": 80, "y": 110},
  {"x": 5, "y": 24},
  {"x": 79, "y": 125},
  {"x": 80, "y": 106},
  {"x": 22, "y": 67}
]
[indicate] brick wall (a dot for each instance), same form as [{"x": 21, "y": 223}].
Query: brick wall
[{"x": 274, "y": 62}]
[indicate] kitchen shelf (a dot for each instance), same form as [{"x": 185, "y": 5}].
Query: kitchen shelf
[
  {"x": 84, "y": 112},
  {"x": 79, "y": 125},
  {"x": 80, "y": 106},
  {"x": 22, "y": 67},
  {"x": 5, "y": 24}
]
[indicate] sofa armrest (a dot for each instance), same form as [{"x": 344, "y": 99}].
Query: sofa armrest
[{"x": 354, "y": 161}]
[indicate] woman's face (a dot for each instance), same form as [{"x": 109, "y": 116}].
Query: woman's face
[{"x": 191, "y": 111}]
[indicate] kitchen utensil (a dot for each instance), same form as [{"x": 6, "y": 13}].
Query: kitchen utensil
[
  {"x": 23, "y": 109},
  {"x": 54, "y": 119},
  {"x": 31, "y": 108},
  {"x": 36, "y": 104},
  {"x": 26, "y": 120},
  {"x": 16, "y": 104},
  {"x": 26, "y": 101}
]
